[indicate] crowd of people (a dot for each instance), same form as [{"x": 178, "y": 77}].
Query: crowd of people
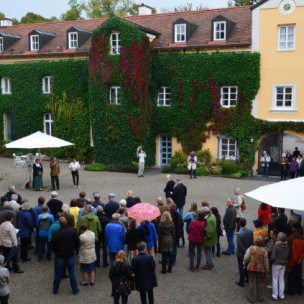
[{"x": 86, "y": 227}]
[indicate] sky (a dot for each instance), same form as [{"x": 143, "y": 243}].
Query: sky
[{"x": 49, "y": 8}]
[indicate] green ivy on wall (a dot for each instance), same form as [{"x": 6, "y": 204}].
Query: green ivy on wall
[{"x": 27, "y": 104}]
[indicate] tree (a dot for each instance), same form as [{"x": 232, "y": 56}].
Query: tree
[
  {"x": 189, "y": 7},
  {"x": 232, "y": 3},
  {"x": 74, "y": 13},
  {"x": 31, "y": 17},
  {"x": 107, "y": 8},
  {"x": 2, "y": 16}
]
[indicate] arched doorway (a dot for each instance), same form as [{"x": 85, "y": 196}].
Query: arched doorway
[{"x": 275, "y": 145}]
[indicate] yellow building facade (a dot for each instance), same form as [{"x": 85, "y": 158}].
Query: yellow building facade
[{"x": 278, "y": 35}]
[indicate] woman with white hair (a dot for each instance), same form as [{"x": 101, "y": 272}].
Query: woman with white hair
[
  {"x": 4, "y": 281},
  {"x": 25, "y": 222},
  {"x": 169, "y": 186}
]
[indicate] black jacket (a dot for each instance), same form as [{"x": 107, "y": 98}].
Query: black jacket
[
  {"x": 65, "y": 242},
  {"x": 55, "y": 206},
  {"x": 178, "y": 224},
  {"x": 169, "y": 188},
  {"x": 9, "y": 197},
  {"x": 120, "y": 271},
  {"x": 143, "y": 267},
  {"x": 130, "y": 202},
  {"x": 133, "y": 237},
  {"x": 111, "y": 208},
  {"x": 104, "y": 221},
  {"x": 179, "y": 195}
]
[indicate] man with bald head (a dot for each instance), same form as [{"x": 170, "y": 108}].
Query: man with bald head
[{"x": 65, "y": 245}]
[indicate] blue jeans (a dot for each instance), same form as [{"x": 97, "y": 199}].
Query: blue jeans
[
  {"x": 230, "y": 240},
  {"x": 181, "y": 211},
  {"x": 60, "y": 265},
  {"x": 42, "y": 243}
]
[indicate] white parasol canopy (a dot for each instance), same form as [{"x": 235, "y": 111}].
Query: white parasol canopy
[
  {"x": 38, "y": 140},
  {"x": 285, "y": 194}
]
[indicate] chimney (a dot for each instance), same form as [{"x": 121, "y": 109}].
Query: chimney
[
  {"x": 144, "y": 9},
  {"x": 6, "y": 22}
]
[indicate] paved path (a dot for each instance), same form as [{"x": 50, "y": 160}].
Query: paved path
[{"x": 180, "y": 287}]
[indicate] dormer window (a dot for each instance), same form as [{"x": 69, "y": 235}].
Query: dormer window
[
  {"x": 1, "y": 45},
  {"x": 115, "y": 43},
  {"x": 34, "y": 39},
  {"x": 219, "y": 30},
  {"x": 73, "y": 40},
  {"x": 180, "y": 32}
]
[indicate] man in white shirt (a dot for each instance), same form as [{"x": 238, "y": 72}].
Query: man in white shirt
[{"x": 74, "y": 167}]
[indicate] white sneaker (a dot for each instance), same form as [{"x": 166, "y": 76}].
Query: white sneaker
[
  {"x": 78, "y": 186},
  {"x": 75, "y": 187}
]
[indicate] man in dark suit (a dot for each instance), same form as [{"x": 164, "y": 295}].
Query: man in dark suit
[
  {"x": 244, "y": 239},
  {"x": 54, "y": 204},
  {"x": 111, "y": 207},
  {"x": 169, "y": 186},
  {"x": 143, "y": 267},
  {"x": 179, "y": 195}
]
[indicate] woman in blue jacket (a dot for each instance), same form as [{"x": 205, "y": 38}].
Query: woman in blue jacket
[
  {"x": 150, "y": 236},
  {"x": 25, "y": 222}
]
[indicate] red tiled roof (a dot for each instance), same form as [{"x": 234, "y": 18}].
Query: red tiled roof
[{"x": 160, "y": 25}]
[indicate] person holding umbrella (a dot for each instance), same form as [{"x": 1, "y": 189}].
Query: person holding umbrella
[{"x": 145, "y": 213}]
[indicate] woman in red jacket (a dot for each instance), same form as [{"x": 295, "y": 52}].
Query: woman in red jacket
[
  {"x": 263, "y": 213},
  {"x": 196, "y": 239}
]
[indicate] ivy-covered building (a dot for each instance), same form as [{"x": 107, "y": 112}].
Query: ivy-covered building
[{"x": 172, "y": 81}]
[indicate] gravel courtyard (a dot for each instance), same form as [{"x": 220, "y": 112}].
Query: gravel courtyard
[{"x": 179, "y": 287}]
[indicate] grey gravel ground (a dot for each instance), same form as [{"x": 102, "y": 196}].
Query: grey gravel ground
[{"x": 179, "y": 287}]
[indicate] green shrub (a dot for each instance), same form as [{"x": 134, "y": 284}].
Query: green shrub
[
  {"x": 229, "y": 166},
  {"x": 166, "y": 169},
  {"x": 121, "y": 168},
  {"x": 179, "y": 159},
  {"x": 216, "y": 171},
  {"x": 134, "y": 164},
  {"x": 203, "y": 157},
  {"x": 238, "y": 174},
  {"x": 95, "y": 167},
  {"x": 181, "y": 170},
  {"x": 202, "y": 171}
]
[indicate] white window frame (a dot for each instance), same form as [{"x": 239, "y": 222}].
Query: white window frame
[
  {"x": 47, "y": 84},
  {"x": 73, "y": 40},
  {"x": 286, "y": 48},
  {"x": 115, "y": 43},
  {"x": 34, "y": 42},
  {"x": 180, "y": 32},
  {"x": 275, "y": 105},
  {"x": 228, "y": 149},
  {"x": 164, "y": 97},
  {"x": 48, "y": 121},
  {"x": 217, "y": 32},
  {"x": 116, "y": 98},
  {"x": 1, "y": 45},
  {"x": 6, "y": 85},
  {"x": 231, "y": 102},
  {"x": 7, "y": 126}
]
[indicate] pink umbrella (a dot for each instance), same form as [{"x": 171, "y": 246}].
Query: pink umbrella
[{"x": 143, "y": 212}]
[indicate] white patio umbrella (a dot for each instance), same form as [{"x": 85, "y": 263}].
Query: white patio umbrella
[
  {"x": 38, "y": 140},
  {"x": 287, "y": 194}
]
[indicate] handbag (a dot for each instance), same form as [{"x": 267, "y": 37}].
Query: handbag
[{"x": 123, "y": 288}]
